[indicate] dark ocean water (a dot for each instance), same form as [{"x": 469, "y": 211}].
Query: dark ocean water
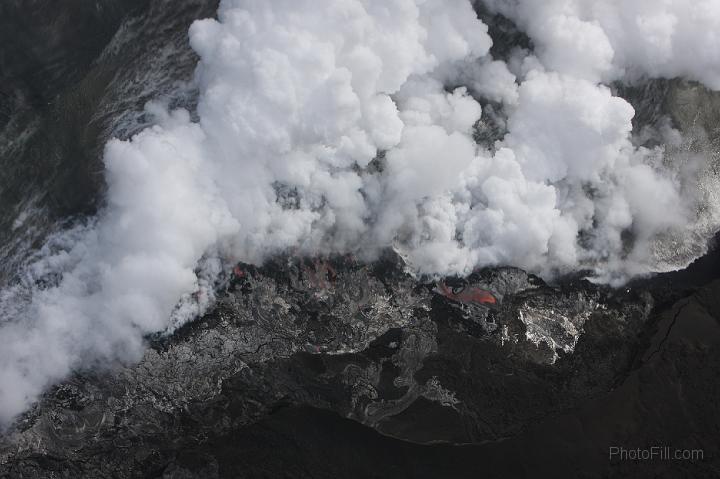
[{"x": 73, "y": 74}]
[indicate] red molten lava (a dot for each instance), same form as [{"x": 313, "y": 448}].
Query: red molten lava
[
  {"x": 468, "y": 294},
  {"x": 321, "y": 275}
]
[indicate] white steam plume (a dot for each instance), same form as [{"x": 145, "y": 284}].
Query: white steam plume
[
  {"x": 617, "y": 39},
  {"x": 327, "y": 126}
]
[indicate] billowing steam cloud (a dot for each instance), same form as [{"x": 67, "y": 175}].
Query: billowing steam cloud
[
  {"x": 348, "y": 126},
  {"x": 614, "y": 39}
]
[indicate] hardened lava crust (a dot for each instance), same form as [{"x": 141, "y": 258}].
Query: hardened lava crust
[{"x": 468, "y": 369}]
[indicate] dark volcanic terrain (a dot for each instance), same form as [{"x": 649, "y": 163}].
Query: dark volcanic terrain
[
  {"x": 332, "y": 368},
  {"x": 329, "y": 367}
]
